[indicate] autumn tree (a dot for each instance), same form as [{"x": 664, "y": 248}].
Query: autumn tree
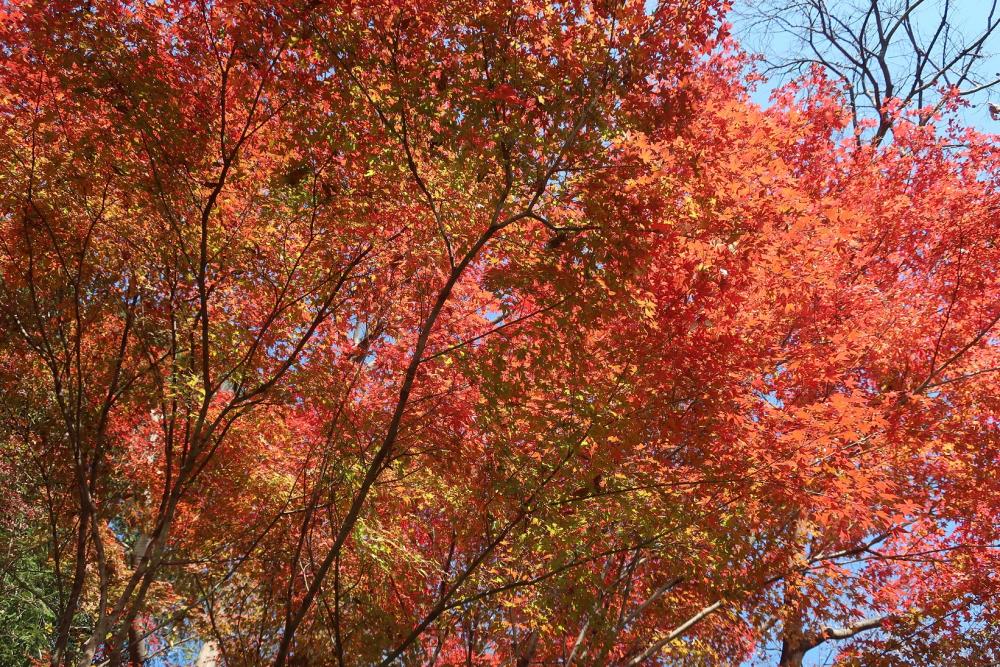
[{"x": 483, "y": 333}]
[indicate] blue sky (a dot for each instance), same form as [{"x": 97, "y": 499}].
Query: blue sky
[{"x": 968, "y": 15}]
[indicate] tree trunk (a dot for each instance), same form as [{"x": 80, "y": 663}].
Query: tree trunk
[
  {"x": 208, "y": 656},
  {"x": 136, "y": 642},
  {"x": 792, "y": 654}
]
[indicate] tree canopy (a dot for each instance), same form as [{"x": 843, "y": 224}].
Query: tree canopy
[{"x": 437, "y": 332}]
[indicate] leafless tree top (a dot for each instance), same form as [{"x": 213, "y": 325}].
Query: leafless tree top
[{"x": 910, "y": 50}]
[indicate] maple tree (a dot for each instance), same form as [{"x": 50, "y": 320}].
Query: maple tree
[{"x": 483, "y": 333}]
